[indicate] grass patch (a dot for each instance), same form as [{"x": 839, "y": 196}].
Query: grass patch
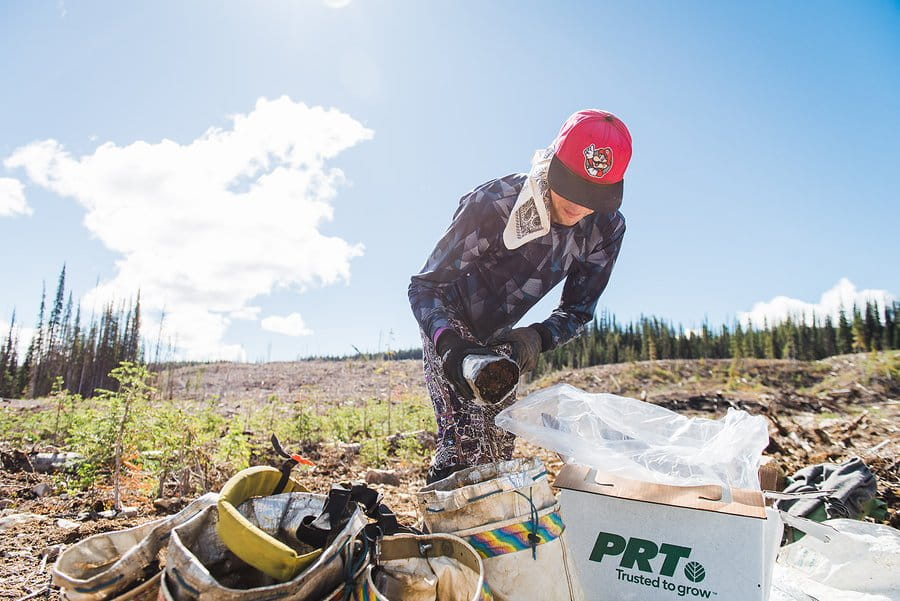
[{"x": 157, "y": 443}]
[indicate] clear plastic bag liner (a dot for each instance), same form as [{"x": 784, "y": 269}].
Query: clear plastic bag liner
[
  {"x": 859, "y": 561},
  {"x": 633, "y": 439}
]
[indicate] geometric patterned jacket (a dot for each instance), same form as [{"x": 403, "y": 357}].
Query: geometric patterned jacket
[{"x": 472, "y": 276}]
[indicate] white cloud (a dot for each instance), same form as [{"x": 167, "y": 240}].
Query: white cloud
[
  {"x": 205, "y": 227},
  {"x": 336, "y": 3},
  {"x": 289, "y": 325},
  {"x": 22, "y": 336},
  {"x": 842, "y": 295},
  {"x": 12, "y": 198},
  {"x": 246, "y": 313}
]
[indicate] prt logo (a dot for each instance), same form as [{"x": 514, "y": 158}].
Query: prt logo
[
  {"x": 637, "y": 553},
  {"x": 694, "y": 572}
]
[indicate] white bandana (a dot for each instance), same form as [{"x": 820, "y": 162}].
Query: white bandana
[{"x": 530, "y": 216}]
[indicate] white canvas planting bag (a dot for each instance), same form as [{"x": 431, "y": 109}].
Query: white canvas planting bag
[
  {"x": 507, "y": 512},
  {"x": 430, "y": 567},
  {"x": 200, "y": 567},
  {"x": 122, "y": 565}
]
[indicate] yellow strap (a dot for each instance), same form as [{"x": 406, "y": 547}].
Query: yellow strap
[{"x": 262, "y": 551}]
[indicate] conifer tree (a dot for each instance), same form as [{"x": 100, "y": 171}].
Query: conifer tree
[
  {"x": 737, "y": 342},
  {"x": 844, "y": 334},
  {"x": 748, "y": 348},
  {"x": 895, "y": 312},
  {"x": 8, "y": 361},
  {"x": 23, "y": 374},
  {"x": 769, "y": 341},
  {"x": 56, "y": 315},
  {"x": 887, "y": 332},
  {"x": 789, "y": 350},
  {"x": 705, "y": 343},
  {"x": 36, "y": 349},
  {"x": 829, "y": 340},
  {"x": 858, "y": 329},
  {"x": 872, "y": 327}
]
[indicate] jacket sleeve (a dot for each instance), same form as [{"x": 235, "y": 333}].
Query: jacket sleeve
[
  {"x": 583, "y": 287},
  {"x": 475, "y": 227}
]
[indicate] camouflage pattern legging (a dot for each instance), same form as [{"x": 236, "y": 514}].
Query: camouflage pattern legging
[{"x": 466, "y": 434}]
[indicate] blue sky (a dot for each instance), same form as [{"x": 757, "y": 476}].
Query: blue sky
[{"x": 764, "y": 161}]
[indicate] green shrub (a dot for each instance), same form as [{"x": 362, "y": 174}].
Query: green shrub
[
  {"x": 234, "y": 448},
  {"x": 157, "y": 443}
]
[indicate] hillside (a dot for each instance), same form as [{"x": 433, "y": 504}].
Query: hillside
[{"x": 818, "y": 411}]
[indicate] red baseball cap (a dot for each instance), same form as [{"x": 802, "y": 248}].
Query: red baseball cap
[{"x": 591, "y": 153}]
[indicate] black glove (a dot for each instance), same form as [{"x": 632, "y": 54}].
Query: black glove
[
  {"x": 527, "y": 344},
  {"x": 453, "y": 349}
]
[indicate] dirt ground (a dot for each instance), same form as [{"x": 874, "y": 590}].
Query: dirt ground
[
  {"x": 234, "y": 384},
  {"x": 826, "y": 411}
]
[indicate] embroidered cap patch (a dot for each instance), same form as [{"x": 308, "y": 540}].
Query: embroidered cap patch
[{"x": 597, "y": 161}]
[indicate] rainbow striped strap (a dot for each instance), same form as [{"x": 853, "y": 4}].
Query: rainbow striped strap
[
  {"x": 364, "y": 592},
  {"x": 510, "y": 539}
]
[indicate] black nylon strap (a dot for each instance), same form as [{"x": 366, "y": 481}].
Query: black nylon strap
[
  {"x": 285, "y": 468},
  {"x": 320, "y": 530}
]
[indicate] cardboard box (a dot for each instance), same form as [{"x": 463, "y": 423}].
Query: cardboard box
[{"x": 642, "y": 541}]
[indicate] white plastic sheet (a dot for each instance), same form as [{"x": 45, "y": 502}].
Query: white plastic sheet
[
  {"x": 790, "y": 584},
  {"x": 852, "y": 561},
  {"x": 639, "y": 440}
]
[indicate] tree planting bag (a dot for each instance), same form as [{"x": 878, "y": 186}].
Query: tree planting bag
[
  {"x": 508, "y": 513},
  {"x": 124, "y": 564},
  {"x": 249, "y": 542},
  {"x": 429, "y": 567},
  {"x": 200, "y": 567}
]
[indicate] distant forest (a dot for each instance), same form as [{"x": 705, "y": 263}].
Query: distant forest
[
  {"x": 858, "y": 330},
  {"x": 69, "y": 348},
  {"x": 77, "y": 352}
]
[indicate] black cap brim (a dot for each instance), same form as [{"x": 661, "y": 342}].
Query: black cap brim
[{"x": 602, "y": 198}]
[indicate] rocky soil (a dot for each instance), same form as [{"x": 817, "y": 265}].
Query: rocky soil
[{"x": 825, "y": 411}]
